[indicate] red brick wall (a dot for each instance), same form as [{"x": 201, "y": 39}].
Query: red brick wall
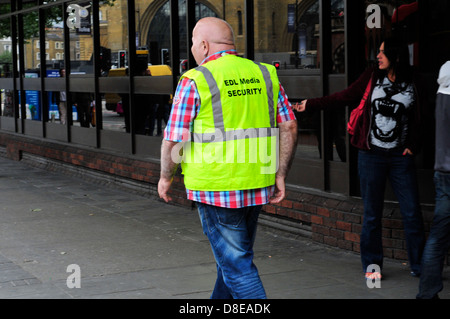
[
  {"x": 334, "y": 220},
  {"x": 338, "y": 221}
]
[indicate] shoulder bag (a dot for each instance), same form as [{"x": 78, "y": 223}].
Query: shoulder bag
[{"x": 356, "y": 114}]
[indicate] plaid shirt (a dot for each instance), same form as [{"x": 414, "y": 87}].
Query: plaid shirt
[{"x": 185, "y": 109}]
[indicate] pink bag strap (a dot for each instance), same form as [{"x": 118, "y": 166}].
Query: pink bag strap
[{"x": 366, "y": 93}]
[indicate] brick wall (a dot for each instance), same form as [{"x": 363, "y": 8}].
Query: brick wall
[
  {"x": 123, "y": 166},
  {"x": 330, "y": 219},
  {"x": 337, "y": 220}
]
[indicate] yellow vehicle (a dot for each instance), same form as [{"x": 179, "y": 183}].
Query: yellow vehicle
[
  {"x": 112, "y": 99},
  {"x": 159, "y": 70}
]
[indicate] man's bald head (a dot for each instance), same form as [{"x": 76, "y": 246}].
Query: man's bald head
[
  {"x": 211, "y": 35},
  {"x": 215, "y": 30}
]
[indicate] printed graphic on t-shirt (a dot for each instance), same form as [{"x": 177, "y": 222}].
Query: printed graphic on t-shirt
[{"x": 390, "y": 104}]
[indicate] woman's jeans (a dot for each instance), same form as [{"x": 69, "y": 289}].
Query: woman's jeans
[
  {"x": 231, "y": 233},
  {"x": 438, "y": 241},
  {"x": 375, "y": 166}
]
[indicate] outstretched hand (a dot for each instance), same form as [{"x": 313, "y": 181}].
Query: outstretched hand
[{"x": 300, "y": 107}]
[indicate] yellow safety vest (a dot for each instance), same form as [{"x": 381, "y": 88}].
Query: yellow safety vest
[{"x": 234, "y": 139}]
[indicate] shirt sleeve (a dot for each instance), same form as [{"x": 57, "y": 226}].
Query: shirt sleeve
[
  {"x": 284, "y": 107},
  {"x": 184, "y": 110}
]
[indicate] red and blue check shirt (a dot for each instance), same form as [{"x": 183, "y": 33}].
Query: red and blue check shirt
[{"x": 185, "y": 109}]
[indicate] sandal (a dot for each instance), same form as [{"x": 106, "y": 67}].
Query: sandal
[{"x": 373, "y": 275}]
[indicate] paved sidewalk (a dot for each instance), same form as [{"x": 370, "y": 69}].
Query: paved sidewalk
[{"x": 132, "y": 246}]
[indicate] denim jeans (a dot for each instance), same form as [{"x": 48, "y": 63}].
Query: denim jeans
[
  {"x": 231, "y": 233},
  {"x": 438, "y": 241},
  {"x": 375, "y": 167}
]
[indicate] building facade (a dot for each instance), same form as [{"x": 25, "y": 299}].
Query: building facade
[{"x": 116, "y": 111}]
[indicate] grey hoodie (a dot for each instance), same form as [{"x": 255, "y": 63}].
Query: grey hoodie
[{"x": 442, "y": 162}]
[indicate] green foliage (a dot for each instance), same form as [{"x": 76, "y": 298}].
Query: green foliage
[
  {"x": 5, "y": 57},
  {"x": 108, "y": 2}
]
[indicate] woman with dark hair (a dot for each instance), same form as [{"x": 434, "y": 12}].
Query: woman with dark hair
[
  {"x": 387, "y": 137},
  {"x": 397, "y": 55}
]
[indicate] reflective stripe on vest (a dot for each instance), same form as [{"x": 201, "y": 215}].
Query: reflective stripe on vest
[
  {"x": 218, "y": 112},
  {"x": 227, "y": 152}
]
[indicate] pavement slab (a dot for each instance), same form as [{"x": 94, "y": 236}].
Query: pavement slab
[{"x": 130, "y": 246}]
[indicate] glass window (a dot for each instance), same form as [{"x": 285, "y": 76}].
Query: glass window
[
  {"x": 304, "y": 31},
  {"x": 50, "y": 1},
  {"x": 436, "y": 50},
  {"x": 54, "y": 46},
  {"x": 240, "y": 29},
  {"x": 152, "y": 110},
  {"x": 337, "y": 36},
  {"x": 306, "y": 39},
  {"x": 6, "y": 45},
  {"x": 6, "y": 66},
  {"x": 114, "y": 65},
  {"x": 29, "y": 3},
  {"x": 81, "y": 63},
  {"x": 158, "y": 35},
  {"x": 81, "y": 38},
  {"x": 6, "y": 59},
  {"x": 399, "y": 19},
  {"x": 235, "y": 15},
  {"x": 337, "y": 132},
  {"x": 309, "y": 135},
  {"x": 287, "y": 34},
  {"x": 32, "y": 60}
]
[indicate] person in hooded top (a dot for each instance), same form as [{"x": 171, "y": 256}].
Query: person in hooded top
[{"x": 438, "y": 241}]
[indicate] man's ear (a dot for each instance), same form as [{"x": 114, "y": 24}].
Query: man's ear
[{"x": 205, "y": 45}]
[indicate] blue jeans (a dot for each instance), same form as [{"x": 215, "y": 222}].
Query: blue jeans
[
  {"x": 375, "y": 167},
  {"x": 438, "y": 241},
  {"x": 231, "y": 233}
]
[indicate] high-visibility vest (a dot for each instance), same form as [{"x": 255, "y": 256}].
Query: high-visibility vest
[{"x": 234, "y": 139}]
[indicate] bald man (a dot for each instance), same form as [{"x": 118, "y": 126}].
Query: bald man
[
  {"x": 226, "y": 113},
  {"x": 211, "y": 35}
]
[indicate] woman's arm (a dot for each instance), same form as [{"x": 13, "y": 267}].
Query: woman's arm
[{"x": 350, "y": 96}]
